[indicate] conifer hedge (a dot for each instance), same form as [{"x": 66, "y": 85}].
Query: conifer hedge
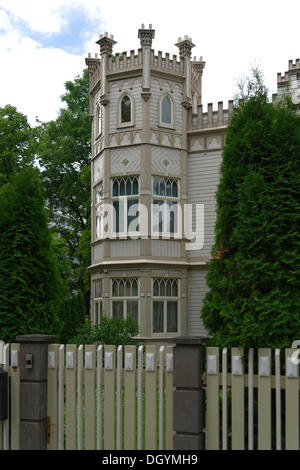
[
  {"x": 29, "y": 280},
  {"x": 254, "y": 275}
]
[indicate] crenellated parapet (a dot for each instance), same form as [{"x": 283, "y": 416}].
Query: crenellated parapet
[
  {"x": 212, "y": 118},
  {"x": 294, "y": 67},
  {"x": 164, "y": 62}
]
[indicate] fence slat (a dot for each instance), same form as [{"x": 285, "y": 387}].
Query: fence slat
[
  {"x": 169, "y": 399},
  {"x": 90, "y": 397},
  {"x": 291, "y": 406},
  {"x": 119, "y": 396},
  {"x": 140, "y": 397},
  {"x": 224, "y": 399},
  {"x": 61, "y": 400},
  {"x": 70, "y": 379},
  {"x": 130, "y": 398},
  {"x": 250, "y": 400},
  {"x": 151, "y": 398},
  {"x": 15, "y": 398},
  {"x": 278, "y": 399},
  {"x": 109, "y": 397},
  {"x": 6, "y": 423},
  {"x": 264, "y": 401},
  {"x": 80, "y": 398},
  {"x": 2, "y": 344},
  {"x": 99, "y": 397},
  {"x": 52, "y": 401},
  {"x": 161, "y": 398},
  {"x": 212, "y": 399},
  {"x": 238, "y": 399}
]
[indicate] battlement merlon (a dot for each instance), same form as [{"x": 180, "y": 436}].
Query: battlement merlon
[{"x": 294, "y": 66}]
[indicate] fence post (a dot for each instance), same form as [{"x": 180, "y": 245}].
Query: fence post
[
  {"x": 188, "y": 396},
  {"x": 33, "y": 390}
]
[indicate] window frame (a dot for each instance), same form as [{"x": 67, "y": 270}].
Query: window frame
[
  {"x": 165, "y": 199},
  {"x": 126, "y": 298},
  {"x": 161, "y": 122},
  {"x": 99, "y": 117},
  {"x": 125, "y": 198},
  {"x": 165, "y": 299},
  {"x": 132, "y": 107},
  {"x": 97, "y": 302},
  {"x": 96, "y": 206}
]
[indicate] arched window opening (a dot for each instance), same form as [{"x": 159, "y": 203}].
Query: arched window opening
[
  {"x": 166, "y": 110},
  {"x": 98, "y": 121},
  {"x": 125, "y": 109}
]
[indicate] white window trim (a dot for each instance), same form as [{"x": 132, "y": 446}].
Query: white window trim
[
  {"x": 165, "y": 124},
  {"x": 155, "y": 197},
  {"x": 98, "y": 129},
  {"x": 96, "y": 205},
  {"x": 96, "y": 301},
  {"x": 124, "y": 299},
  {"x": 125, "y": 199},
  {"x": 165, "y": 299},
  {"x": 132, "y": 108}
]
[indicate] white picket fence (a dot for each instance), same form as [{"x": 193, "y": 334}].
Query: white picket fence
[
  {"x": 122, "y": 398},
  {"x": 252, "y": 403},
  {"x": 100, "y": 398}
]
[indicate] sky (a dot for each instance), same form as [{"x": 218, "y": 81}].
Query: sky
[{"x": 43, "y": 43}]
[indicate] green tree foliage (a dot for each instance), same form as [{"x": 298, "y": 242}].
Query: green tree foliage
[
  {"x": 17, "y": 142},
  {"x": 64, "y": 155},
  {"x": 254, "y": 275},
  {"x": 73, "y": 316},
  {"x": 110, "y": 331},
  {"x": 30, "y": 287}
]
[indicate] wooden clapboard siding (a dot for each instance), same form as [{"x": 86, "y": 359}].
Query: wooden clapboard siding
[
  {"x": 197, "y": 288},
  {"x": 116, "y": 90},
  {"x": 203, "y": 178},
  {"x": 156, "y": 94}
]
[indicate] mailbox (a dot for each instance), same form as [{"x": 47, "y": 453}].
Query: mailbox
[{"x": 3, "y": 394}]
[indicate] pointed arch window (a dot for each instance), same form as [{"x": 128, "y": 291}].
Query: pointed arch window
[
  {"x": 98, "y": 120},
  {"x": 166, "y": 111},
  {"x": 126, "y": 110}
]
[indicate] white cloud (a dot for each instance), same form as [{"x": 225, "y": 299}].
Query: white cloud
[
  {"x": 230, "y": 35},
  {"x": 34, "y": 76},
  {"x": 48, "y": 16}
]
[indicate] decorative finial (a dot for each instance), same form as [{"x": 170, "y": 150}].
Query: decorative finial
[
  {"x": 146, "y": 35},
  {"x": 106, "y": 43},
  {"x": 185, "y": 46}
]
